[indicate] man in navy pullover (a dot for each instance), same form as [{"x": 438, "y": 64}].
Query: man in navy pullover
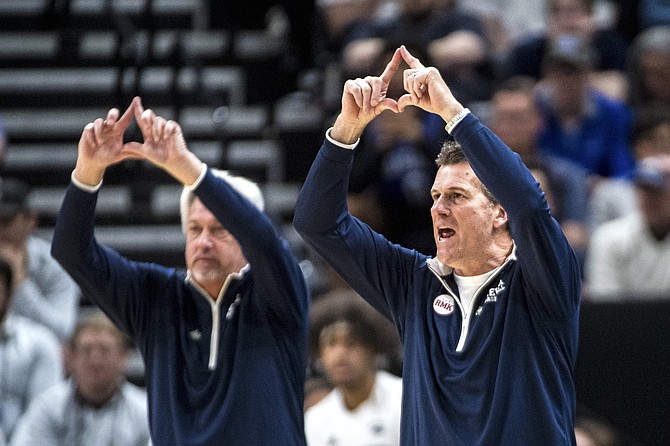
[
  {"x": 225, "y": 344},
  {"x": 489, "y": 325}
]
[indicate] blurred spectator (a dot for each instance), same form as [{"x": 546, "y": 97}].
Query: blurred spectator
[
  {"x": 30, "y": 358},
  {"x": 347, "y": 336},
  {"x": 654, "y": 13},
  {"x": 508, "y": 22},
  {"x": 581, "y": 124},
  {"x": 44, "y": 292},
  {"x": 649, "y": 68},
  {"x": 96, "y": 406},
  {"x": 650, "y": 136},
  {"x": 340, "y": 19},
  {"x": 629, "y": 257},
  {"x": 516, "y": 119},
  {"x": 454, "y": 41},
  {"x": 574, "y": 18}
]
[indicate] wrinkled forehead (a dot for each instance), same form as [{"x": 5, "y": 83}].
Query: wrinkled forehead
[{"x": 458, "y": 175}]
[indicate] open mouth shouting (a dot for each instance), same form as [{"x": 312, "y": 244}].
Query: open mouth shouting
[{"x": 444, "y": 233}]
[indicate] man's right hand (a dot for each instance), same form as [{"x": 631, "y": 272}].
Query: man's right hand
[
  {"x": 363, "y": 100},
  {"x": 101, "y": 145}
]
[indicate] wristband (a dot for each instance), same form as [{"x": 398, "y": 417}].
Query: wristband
[{"x": 456, "y": 119}]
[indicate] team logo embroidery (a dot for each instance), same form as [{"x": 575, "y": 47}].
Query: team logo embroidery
[
  {"x": 233, "y": 306},
  {"x": 195, "y": 335},
  {"x": 443, "y": 304},
  {"x": 491, "y": 296}
]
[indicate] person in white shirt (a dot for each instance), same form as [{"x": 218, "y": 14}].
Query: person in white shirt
[
  {"x": 30, "y": 359},
  {"x": 348, "y": 338},
  {"x": 97, "y": 406},
  {"x": 629, "y": 257}
]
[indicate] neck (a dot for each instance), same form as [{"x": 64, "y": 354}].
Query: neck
[
  {"x": 356, "y": 394},
  {"x": 97, "y": 398}
]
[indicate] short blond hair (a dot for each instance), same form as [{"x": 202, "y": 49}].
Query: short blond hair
[{"x": 98, "y": 321}]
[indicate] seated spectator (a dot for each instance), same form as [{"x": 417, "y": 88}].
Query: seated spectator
[
  {"x": 581, "y": 124},
  {"x": 508, "y": 21},
  {"x": 340, "y": 18},
  {"x": 649, "y": 68},
  {"x": 96, "y": 406},
  {"x": 574, "y": 18},
  {"x": 650, "y": 136},
  {"x": 454, "y": 40},
  {"x": 30, "y": 358},
  {"x": 347, "y": 336},
  {"x": 44, "y": 292},
  {"x": 516, "y": 119},
  {"x": 629, "y": 257}
]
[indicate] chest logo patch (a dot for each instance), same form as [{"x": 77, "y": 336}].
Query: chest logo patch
[{"x": 443, "y": 305}]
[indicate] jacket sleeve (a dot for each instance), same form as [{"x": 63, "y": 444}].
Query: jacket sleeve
[
  {"x": 120, "y": 287},
  {"x": 548, "y": 263},
  {"x": 375, "y": 268}
]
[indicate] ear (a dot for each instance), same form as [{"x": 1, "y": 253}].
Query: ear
[{"x": 500, "y": 218}]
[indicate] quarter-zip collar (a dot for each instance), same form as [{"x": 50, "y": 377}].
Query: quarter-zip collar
[
  {"x": 442, "y": 271},
  {"x": 215, "y": 306}
]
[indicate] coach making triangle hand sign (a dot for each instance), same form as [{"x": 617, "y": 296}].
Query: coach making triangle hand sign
[{"x": 489, "y": 325}]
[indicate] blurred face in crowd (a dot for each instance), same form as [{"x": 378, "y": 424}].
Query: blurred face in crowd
[
  {"x": 97, "y": 361},
  {"x": 212, "y": 253},
  {"x": 655, "y": 141},
  {"x": 655, "y": 69},
  {"x": 571, "y": 17},
  {"x": 567, "y": 89},
  {"x": 347, "y": 362},
  {"x": 16, "y": 229},
  {"x": 654, "y": 205},
  {"x": 516, "y": 120}
]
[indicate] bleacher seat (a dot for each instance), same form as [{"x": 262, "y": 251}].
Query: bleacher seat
[
  {"x": 22, "y": 14},
  {"x": 113, "y": 201},
  {"x": 28, "y": 48},
  {"x": 44, "y": 87},
  {"x": 227, "y": 122},
  {"x": 258, "y": 159},
  {"x": 37, "y": 124}
]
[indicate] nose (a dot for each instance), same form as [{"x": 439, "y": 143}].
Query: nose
[
  {"x": 440, "y": 206},
  {"x": 204, "y": 239}
]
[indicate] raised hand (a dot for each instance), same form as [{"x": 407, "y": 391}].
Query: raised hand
[
  {"x": 426, "y": 88},
  {"x": 163, "y": 145},
  {"x": 363, "y": 99},
  {"x": 101, "y": 145}
]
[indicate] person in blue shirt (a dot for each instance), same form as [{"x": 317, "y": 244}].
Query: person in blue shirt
[
  {"x": 580, "y": 123},
  {"x": 224, "y": 343},
  {"x": 489, "y": 325}
]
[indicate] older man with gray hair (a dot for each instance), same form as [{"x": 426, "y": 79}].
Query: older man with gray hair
[{"x": 224, "y": 344}]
